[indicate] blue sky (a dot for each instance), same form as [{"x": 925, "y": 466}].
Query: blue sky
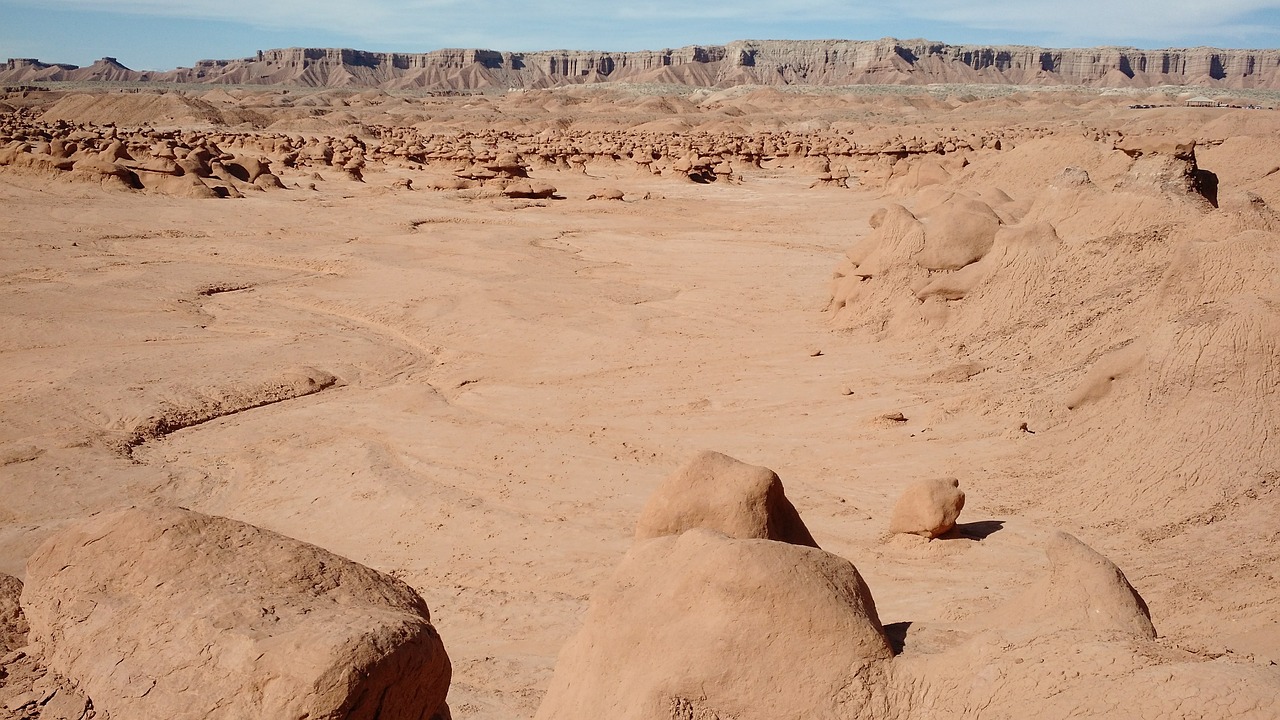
[{"x": 162, "y": 34}]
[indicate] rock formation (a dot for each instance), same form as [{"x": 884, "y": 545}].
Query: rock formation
[
  {"x": 701, "y": 625},
  {"x": 717, "y": 492},
  {"x": 164, "y": 612}
]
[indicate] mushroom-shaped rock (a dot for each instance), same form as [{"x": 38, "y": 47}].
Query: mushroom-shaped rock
[
  {"x": 247, "y": 169},
  {"x": 165, "y": 612},
  {"x": 705, "y": 626},
  {"x": 1082, "y": 591},
  {"x": 196, "y": 163},
  {"x": 13, "y": 624},
  {"x": 268, "y": 181},
  {"x": 159, "y": 165},
  {"x": 721, "y": 493},
  {"x": 188, "y": 186},
  {"x": 116, "y": 151},
  {"x": 507, "y": 165},
  {"x": 95, "y": 169},
  {"x": 928, "y": 508}
]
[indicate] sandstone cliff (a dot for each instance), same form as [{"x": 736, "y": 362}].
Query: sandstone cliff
[{"x": 747, "y": 62}]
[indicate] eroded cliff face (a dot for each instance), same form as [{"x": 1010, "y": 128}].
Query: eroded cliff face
[{"x": 768, "y": 62}]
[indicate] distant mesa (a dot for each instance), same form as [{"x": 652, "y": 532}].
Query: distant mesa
[{"x": 743, "y": 62}]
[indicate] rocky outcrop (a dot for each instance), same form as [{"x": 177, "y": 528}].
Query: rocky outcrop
[{"x": 744, "y": 62}]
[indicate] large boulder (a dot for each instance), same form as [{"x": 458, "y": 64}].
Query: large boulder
[
  {"x": 716, "y": 491},
  {"x": 705, "y": 626},
  {"x": 165, "y": 612}
]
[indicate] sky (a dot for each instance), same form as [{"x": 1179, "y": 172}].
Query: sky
[{"x": 163, "y": 34}]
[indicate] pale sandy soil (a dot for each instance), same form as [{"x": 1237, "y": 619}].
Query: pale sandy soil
[{"x": 513, "y": 378}]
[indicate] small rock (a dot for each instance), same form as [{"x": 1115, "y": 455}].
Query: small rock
[{"x": 928, "y": 508}]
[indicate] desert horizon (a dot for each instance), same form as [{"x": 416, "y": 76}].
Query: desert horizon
[{"x": 781, "y": 63}]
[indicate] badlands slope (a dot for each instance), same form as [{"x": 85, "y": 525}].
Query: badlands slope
[{"x": 418, "y": 334}]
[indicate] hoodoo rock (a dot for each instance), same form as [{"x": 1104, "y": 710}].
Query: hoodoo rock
[
  {"x": 928, "y": 508},
  {"x": 720, "y": 493},
  {"x": 705, "y": 626},
  {"x": 165, "y": 612}
]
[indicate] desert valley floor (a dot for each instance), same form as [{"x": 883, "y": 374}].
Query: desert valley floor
[{"x": 1049, "y": 296}]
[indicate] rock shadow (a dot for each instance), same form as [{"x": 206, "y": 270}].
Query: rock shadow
[
  {"x": 896, "y": 634},
  {"x": 979, "y": 530}
]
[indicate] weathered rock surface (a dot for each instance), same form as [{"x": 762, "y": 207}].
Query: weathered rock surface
[
  {"x": 165, "y": 612},
  {"x": 705, "y": 626},
  {"x": 13, "y": 624},
  {"x": 28, "y": 691},
  {"x": 717, "y": 492}
]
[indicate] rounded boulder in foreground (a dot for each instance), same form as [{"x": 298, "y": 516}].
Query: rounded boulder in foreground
[
  {"x": 703, "y": 626},
  {"x": 168, "y": 613}
]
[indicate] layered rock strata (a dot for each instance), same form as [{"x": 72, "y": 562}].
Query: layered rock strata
[{"x": 744, "y": 62}]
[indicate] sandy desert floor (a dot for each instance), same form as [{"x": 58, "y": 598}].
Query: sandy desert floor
[{"x": 494, "y": 386}]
